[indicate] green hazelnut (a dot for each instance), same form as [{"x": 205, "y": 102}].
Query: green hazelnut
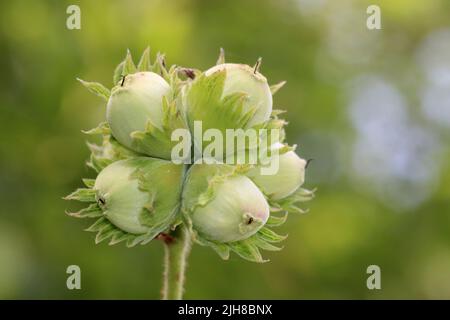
[
  {"x": 139, "y": 194},
  {"x": 135, "y": 103},
  {"x": 223, "y": 206},
  {"x": 286, "y": 180}
]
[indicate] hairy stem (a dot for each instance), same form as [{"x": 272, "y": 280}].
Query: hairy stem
[{"x": 177, "y": 246}]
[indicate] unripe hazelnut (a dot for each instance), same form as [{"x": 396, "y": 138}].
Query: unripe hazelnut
[{"x": 223, "y": 206}]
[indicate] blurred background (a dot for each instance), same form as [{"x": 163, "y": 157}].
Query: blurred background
[{"x": 371, "y": 107}]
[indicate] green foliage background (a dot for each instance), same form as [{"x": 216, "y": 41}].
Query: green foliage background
[{"x": 351, "y": 223}]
